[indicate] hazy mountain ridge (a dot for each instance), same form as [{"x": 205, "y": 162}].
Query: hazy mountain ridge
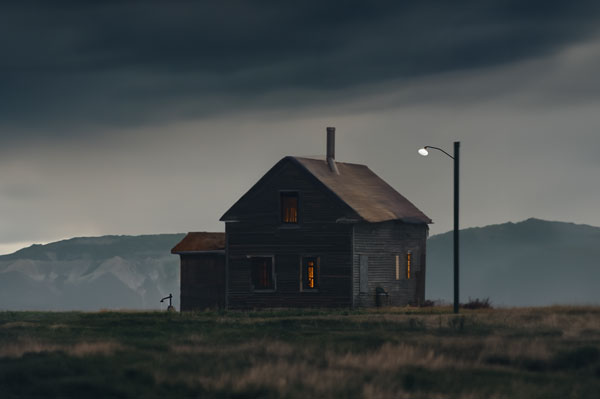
[
  {"x": 533, "y": 262},
  {"x": 101, "y": 247},
  {"x": 91, "y": 273}
]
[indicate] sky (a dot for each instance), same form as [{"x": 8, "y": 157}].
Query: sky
[{"x": 144, "y": 117}]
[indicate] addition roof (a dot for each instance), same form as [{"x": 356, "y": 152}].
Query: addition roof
[
  {"x": 200, "y": 242},
  {"x": 361, "y": 189}
]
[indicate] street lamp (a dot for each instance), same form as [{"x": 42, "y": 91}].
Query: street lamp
[{"x": 423, "y": 151}]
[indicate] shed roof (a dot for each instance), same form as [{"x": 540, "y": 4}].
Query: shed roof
[
  {"x": 369, "y": 196},
  {"x": 360, "y": 188},
  {"x": 200, "y": 242}
]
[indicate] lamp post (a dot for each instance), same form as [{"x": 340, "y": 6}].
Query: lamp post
[{"x": 423, "y": 151}]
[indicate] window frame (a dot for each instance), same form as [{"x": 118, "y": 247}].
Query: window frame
[
  {"x": 402, "y": 271},
  {"x": 303, "y": 271},
  {"x": 273, "y": 274},
  {"x": 283, "y": 224}
]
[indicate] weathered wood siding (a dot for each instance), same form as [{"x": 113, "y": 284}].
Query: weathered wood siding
[
  {"x": 202, "y": 281},
  {"x": 260, "y": 233},
  {"x": 379, "y": 244}
]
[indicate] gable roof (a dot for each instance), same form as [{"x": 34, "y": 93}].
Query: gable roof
[
  {"x": 362, "y": 190},
  {"x": 369, "y": 196},
  {"x": 200, "y": 242}
]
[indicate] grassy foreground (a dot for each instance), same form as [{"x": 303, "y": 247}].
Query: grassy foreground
[{"x": 395, "y": 353}]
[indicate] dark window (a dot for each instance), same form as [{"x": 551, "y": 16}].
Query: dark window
[
  {"x": 364, "y": 273},
  {"x": 262, "y": 273},
  {"x": 310, "y": 273},
  {"x": 289, "y": 207}
]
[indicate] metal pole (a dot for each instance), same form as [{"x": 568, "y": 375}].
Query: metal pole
[{"x": 456, "y": 230}]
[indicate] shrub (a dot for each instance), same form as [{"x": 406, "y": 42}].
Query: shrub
[{"x": 477, "y": 304}]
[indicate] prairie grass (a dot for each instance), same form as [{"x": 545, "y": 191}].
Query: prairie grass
[
  {"x": 21, "y": 347},
  {"x": 551, "y": 352}
]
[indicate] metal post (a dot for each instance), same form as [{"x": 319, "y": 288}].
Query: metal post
[{"x": 456, "y": 230}]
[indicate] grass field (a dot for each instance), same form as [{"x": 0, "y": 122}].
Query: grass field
[{"x": 528, "y": 353}]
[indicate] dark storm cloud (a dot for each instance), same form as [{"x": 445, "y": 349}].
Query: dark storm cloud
[{"x": 69, "y": 64}]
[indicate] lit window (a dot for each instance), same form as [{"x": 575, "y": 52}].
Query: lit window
[
  {"x": 408, "y": 265},
  {"x": 262, "y": 273},
  {"x": 397, "y": 267},
  {"x": 289, "y": 208},
  {"x": 310, "y": 273}
]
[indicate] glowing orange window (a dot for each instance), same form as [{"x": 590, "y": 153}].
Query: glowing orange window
[
  {"x": 408, "y": 264},
  {"x": 289, "y": 207},
  {"x": 310, "y": 273}
]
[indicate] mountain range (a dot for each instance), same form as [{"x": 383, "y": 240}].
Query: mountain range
[
  {"x": 91, "y": 273},
  {"x": 530, "y": 263},
  {"x": 533, "y": 262}
]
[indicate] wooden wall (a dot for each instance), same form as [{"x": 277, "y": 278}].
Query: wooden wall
[
  {"x": 260, "y": 233},
  {"x": 257, "y": 231},
  {"x": 376, "y": 245},
  {"x": 202, "y": 281}
]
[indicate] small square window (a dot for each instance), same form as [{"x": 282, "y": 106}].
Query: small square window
[
  {"x": 289, "y": 207},
  {"x": 262, "y": 273}
]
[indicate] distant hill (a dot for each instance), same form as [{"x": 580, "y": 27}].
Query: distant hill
[
  {"x": 92, "y": 273},
  {"x": 534, "y": 262}
]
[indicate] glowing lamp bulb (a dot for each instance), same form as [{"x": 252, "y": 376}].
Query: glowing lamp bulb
[{"x": 423, "y": 152}]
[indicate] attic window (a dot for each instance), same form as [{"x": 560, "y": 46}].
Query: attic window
[
  {"x": 289, "y": 207},
  {"x": 262, "y": 273}
]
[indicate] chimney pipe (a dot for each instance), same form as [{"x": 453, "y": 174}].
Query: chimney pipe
[{"x": 331, "y": 150}]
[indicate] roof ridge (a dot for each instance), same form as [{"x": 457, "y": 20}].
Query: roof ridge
[{"x": 324, "y": 159}]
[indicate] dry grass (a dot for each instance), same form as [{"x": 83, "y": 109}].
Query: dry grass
[
  {"x": 81, "y": 349},
  {"x": 383, "y": 353},
  {"x": 529, "y": 348},
  {"x": 281, "y": 367},
  {"x": 18, "y": 324},
  {"x": 392, "y": 358}
]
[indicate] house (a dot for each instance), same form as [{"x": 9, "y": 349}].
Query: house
[{"x": 320, "y": 233}]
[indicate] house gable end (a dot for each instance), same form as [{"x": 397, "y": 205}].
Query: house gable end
[{"x": 317, "y": 201}]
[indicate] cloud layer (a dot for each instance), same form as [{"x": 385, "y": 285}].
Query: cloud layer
[
  {"x": 72, "y": 64},
  {"x": 146, "y": 117}
]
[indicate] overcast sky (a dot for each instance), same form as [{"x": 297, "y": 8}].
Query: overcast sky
[{"x": 152, "y": 117}]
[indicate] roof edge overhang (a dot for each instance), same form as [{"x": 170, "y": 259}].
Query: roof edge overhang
[
  {"x": 401, "y": 220},
  {"x": 215, "y": 251}
]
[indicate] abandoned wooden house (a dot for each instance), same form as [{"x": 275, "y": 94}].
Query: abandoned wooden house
[{"x": 311, "y": 232}]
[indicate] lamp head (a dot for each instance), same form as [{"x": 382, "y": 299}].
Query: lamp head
[{"x": 423, "y": 151}]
